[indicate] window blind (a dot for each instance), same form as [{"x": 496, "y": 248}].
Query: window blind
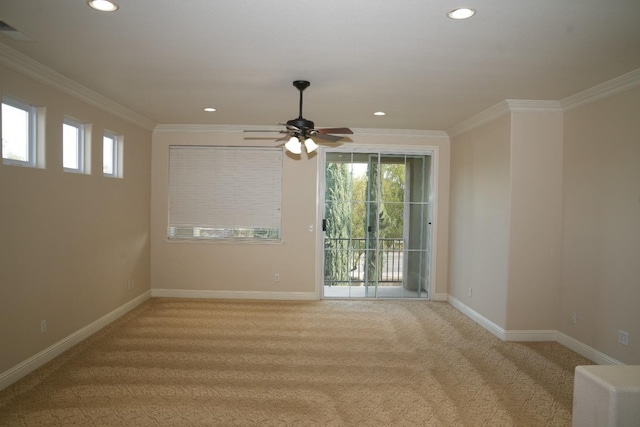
[{"x": 224, "y": 192}]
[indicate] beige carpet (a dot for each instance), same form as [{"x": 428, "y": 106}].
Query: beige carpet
[{"x": 175, "y": 362}]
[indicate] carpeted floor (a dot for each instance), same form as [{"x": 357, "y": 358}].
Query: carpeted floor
[{"x": 177, "y": 362}]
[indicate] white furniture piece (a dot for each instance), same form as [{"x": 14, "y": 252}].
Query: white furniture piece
[{"x": 606, "y": 396}]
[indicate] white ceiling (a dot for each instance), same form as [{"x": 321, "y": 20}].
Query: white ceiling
[{"x": 168, "y": 59}]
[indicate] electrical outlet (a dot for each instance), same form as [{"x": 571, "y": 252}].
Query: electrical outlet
[
  {"x": 470, "y": 291},
  {"x": 276, "y": 277},
  {"x": 130, "y": 284},
  {"x": 623, "y": 337},
  {"x": 574, "y": 317},
  {"x": 43, "y": 326}
]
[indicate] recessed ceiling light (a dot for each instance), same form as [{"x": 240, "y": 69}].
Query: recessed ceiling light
[
  {"x": 209, "y": 109},
  {"x": 379, "y": 113},
  {"x": 103, "y": 5},
  {"x": 461, "y": 13}
]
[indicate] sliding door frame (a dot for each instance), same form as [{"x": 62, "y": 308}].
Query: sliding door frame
[{"x": 432, "y": 151}]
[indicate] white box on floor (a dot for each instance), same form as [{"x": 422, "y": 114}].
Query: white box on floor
[{"x": 606, "y": 396}]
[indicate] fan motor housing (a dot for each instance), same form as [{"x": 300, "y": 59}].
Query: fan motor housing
[{"x": 302, "y": 124}]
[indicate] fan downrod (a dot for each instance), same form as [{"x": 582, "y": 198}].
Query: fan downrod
[{"x": 301, "y": 123}]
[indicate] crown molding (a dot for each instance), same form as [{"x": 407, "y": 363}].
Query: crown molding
[
  {"x": 27, "y": 66},
  {"x": 604, "y": 90},
  {"x": 195, "y": 128},
  {"x": 612, "y": 87},
  {"x": 23, "y": 64},
  {"x": 402, "y": 132},
  {"x": 505, "y": 107},
  {"x": 490, "y": 114},
  {"x": 533, "y": 106}
]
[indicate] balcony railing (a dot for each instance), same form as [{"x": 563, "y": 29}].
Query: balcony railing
[{"x": 387, "y": 260}]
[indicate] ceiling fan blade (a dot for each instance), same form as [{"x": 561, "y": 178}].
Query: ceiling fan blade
[
  {"x": 263, "y": 131},
  {"x": 327, "y": 137},
  {"x": 344, "y": 131}
]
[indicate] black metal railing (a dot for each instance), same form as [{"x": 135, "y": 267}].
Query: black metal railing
[{"x": 385, "y": 264}]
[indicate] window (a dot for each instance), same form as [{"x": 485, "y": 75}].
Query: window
[
  {"x": 18, "y": 133},
  {"x": 73, "y": 146},
  {"x": 218, "y": 193},
  {"x": 112, "y": 155}
]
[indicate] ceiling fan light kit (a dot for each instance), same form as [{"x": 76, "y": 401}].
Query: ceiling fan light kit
[
  {"x": 301, "y": 129},
  {"x": 310, "y": 145},
  {"x": 294, "y": 145}
]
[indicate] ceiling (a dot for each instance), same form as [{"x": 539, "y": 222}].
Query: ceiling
[{"x": 167, "y": 60}]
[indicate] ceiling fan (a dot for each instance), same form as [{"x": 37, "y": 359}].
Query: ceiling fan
[{"x": 302, "y": 130}]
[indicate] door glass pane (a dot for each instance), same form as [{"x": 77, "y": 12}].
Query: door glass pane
[
  {"x": 339, "y": 254},
  {"x": 376, "y": 212},
  {"x": 418, "y": 225}
]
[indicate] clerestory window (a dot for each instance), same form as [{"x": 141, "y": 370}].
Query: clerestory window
[{"x": 18, "y": 133}]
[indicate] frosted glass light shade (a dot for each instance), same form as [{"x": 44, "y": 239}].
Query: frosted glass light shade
[
  {"x": 294, "y": 145},
  {"x": 310, "y": 145}
]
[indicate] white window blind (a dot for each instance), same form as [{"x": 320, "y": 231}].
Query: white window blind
[{"x": 224, "y": 193}]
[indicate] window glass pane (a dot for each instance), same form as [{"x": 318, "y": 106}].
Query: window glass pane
[
  {"x": 70, "y": 147},
  {"x": 108, "y": 155},
  {"x": 15, "y": 133}
]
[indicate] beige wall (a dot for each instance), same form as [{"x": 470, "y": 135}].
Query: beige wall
[
  {"x": 69, "y": 242},
  {"x": 219, "y": 267},
  {"x": 480, "y": 216},
  {"x": 601, "y": 225},
  {"x": 535, "y": 229},
  {"x": 548, "y": 203}
]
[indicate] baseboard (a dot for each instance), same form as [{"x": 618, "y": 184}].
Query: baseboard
[
  {"x": 535, "y": 335},
  {"x": 182, "y": 293},
  {"x": 478, "y": 318},
  {"x": 585, "y": 350},
  {"x": 530, "y": 335},
  {"x": 34, "y": 362}
]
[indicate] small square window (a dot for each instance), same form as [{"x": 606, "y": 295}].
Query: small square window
[
  {"x": 112, "y": 155},
  {"x": 18, "y": 133},
  {"x": 73, "y": 146}
]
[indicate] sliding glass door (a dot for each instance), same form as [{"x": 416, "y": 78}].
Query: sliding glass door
[{"x": 377, "y": 225}]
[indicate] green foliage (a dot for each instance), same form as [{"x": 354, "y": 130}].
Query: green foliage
[
  {"x": 349, "y": 199},
  {"x": 338, "y": 222},
  {"x": 392, "y": 188}
]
